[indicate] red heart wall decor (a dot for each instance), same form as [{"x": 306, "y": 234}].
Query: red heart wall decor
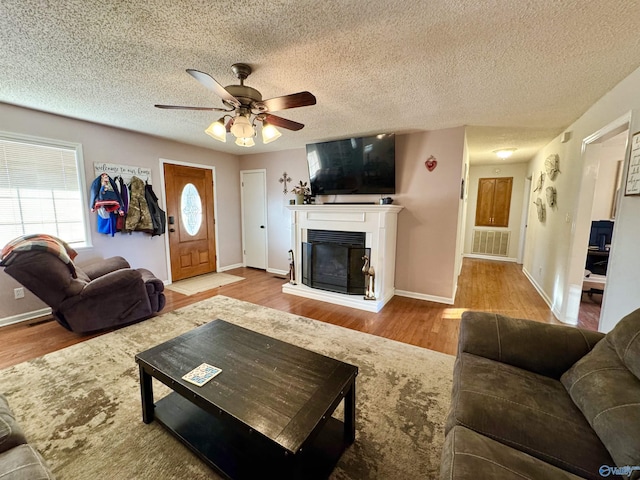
[{"x": 431, "y": 163}]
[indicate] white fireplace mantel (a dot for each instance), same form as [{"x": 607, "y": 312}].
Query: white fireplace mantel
[{"x": 379, "y": 222}]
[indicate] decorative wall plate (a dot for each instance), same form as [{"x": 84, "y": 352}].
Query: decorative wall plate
[
  {"x": 552, "y": 166},
  {"x": 539, "y": 182},
  {"x": 551, "y": 196},
  {"x": 542, "y": 211}
]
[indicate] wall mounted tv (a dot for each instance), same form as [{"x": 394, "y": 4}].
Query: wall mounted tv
[{"x": 365, "y": 165}]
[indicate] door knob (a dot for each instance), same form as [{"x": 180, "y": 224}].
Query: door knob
[{"x": 172, "y": 229}]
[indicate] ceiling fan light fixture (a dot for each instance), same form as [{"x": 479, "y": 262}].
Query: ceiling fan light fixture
[
  {"x": 217, "y": 130},
  {"x": 242, "y": 127},
  {"x": 245, "y": 142},
  {"x": 504, "y": 152},
  {"x": 269, "y": 133}
]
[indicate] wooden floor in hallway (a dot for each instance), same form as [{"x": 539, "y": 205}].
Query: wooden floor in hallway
[{"x": 485, "y": 285}]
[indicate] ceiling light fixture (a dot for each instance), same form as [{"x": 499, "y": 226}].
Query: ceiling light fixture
[
  {"x": 245, "y": 142},
  {"x": 269, "y": 133},
  {"x": 217, "y": 130},
  {"x": 242, "y": 127},
  {"x": 504, "y": 152}
]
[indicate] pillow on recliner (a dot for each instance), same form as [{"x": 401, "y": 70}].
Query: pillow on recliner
[{"x": 606, "y": 388}]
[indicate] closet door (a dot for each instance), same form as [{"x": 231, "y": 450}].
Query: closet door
[
  {"x": 502, "y": 201},
  {"x": 494, "y": 202},
  {"x": 484, "y": 205}
]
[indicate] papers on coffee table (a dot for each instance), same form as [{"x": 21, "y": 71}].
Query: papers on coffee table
[{"x": 201, "y": 374}]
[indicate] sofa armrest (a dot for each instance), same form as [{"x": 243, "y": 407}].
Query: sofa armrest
[
  {"x": 108, "y": 265},
  {"x": 10, "y": 432},
  {"x": 538, "y": 347},
  {"x": 120, "y": 280}
]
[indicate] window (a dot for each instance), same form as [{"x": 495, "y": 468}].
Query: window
[{"x": 41, "y": 189}]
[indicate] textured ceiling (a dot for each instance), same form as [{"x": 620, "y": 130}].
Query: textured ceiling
[{"x": 515, "y": 72}]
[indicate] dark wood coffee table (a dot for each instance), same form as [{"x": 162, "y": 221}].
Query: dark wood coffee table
[{"x": 268, "y": 412}]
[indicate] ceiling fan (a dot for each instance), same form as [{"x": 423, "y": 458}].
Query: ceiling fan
[{"x": 244, "y": 106}]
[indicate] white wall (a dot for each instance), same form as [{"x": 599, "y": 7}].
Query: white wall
[
  {"x": 519, "y": 172},
  {"x": 111, "y": 145},
  {"x": 554, "y": 251}
]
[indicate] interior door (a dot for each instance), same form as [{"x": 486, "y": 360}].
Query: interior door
[
  {"x": 502, "y": 201},
  {"x": 254, "y": 218},
  {"x": 192, "y": 245}
]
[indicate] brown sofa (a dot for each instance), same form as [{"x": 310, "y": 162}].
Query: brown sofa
[
  {"x": 18, "y": 459},
  {"x": 539, "y": 401},
  {"x": 105, "y": 294}
]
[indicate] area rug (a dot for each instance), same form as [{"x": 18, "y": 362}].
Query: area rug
[
  {"x": 201, "y": 283},
  {"x": 80, "y": 406}
]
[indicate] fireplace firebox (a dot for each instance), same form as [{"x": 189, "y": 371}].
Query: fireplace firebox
[{"x": 332, "y": 260}]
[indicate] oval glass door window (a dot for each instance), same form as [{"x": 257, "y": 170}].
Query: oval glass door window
[{"x": 191, "y": 209}]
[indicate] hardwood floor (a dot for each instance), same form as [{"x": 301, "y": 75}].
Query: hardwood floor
[{"x": 485, "y": 285}]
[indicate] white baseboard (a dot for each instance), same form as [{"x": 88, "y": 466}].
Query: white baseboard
[
  {"x": 544, "y": 296},
  {"x": 23, "y": 317},
  {"x": 422, "y": 296},
  {"x": 278, "y": 272},
  {"x": 230, "y": 267},
  {"x": 491, "y": 257}
]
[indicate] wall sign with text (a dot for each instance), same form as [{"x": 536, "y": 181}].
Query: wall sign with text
[
  {"x": 125, "y": 171},
  {"x": 632, "y": 186}
]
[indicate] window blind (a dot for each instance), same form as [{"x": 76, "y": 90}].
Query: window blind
[{"x": 40, "y": 191}]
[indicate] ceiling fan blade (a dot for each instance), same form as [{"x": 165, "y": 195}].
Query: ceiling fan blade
[
  {"x": 283, "y": 122},
  {"x": 178, "y": 107},
  {"x": 295, "y": 100},
  {"x": 208, "y": 81}
]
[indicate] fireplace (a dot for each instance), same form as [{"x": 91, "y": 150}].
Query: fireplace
[
  {"x": 377, "y": 223},
  {"x": 332, "y": 261}
]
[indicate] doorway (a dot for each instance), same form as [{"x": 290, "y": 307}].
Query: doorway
[
  {"x": 189, "y": 192},
  {"x": 253, "y": 189},
  {"x": 603, "y": 155}
]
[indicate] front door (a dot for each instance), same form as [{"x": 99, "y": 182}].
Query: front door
[{"x": 192, "y": 245}]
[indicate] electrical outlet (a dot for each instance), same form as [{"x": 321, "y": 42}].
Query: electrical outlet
[{"x": 18, "y": 292}]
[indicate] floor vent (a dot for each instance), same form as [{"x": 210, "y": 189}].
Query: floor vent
[{"x": 491, "y": 242}]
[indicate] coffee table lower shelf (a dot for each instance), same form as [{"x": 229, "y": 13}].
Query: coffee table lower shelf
[{"x": 238, "y": 454}]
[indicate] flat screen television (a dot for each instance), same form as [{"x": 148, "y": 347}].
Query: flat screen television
[{"x": 365, "y": 165}]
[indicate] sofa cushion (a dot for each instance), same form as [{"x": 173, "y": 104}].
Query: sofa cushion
[
  {"x": 625, "y": 338},
  {"x": 527, "y": 411},
  {"x": 10, "y": 432},
  {"x": 608, "y": 395},
  {"x": 469, "y": 455},
  {"x": 23, "y": 463}
]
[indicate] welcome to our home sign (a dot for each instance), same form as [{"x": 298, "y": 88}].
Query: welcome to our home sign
[
  {"x": 125, "y": 171},
  {"x": 633, "y": 174}
]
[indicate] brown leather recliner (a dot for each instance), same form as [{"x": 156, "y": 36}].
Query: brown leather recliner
[{"x": 105, "y": 294}]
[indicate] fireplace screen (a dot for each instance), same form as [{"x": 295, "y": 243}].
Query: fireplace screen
[{"x": 334, "y": 263}]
